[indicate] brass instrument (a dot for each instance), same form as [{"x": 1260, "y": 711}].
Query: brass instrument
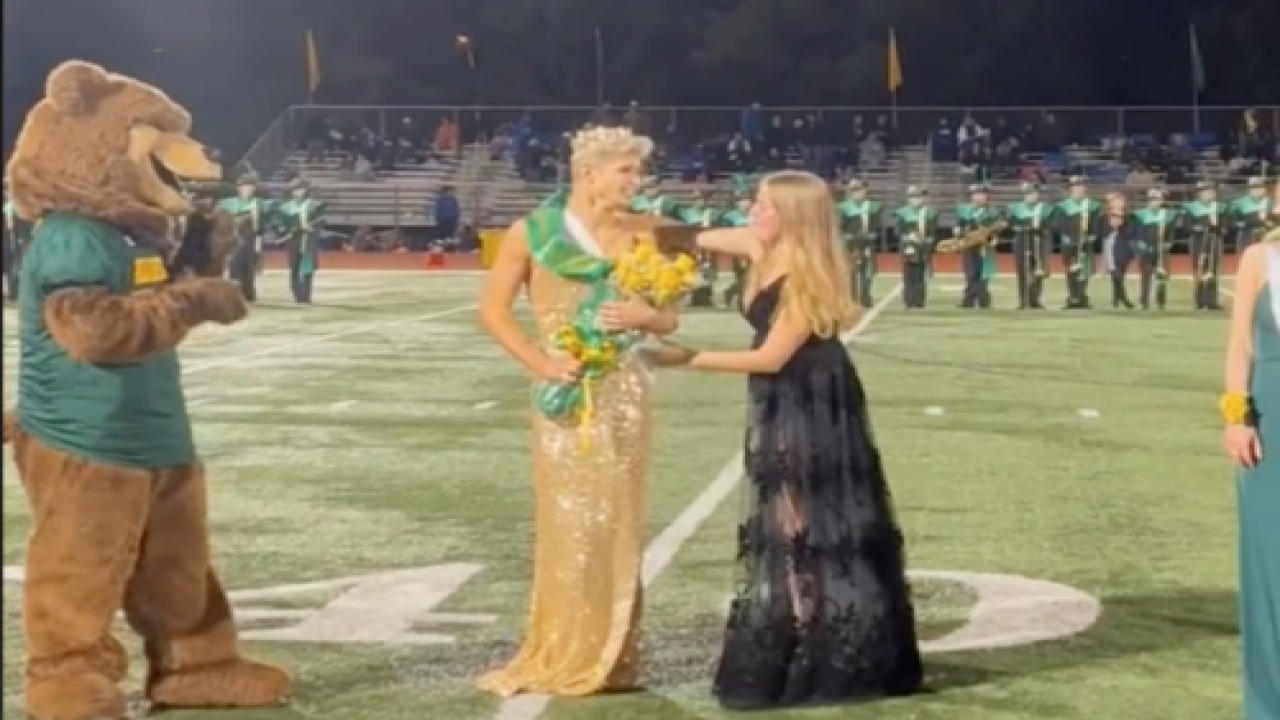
[{"x": 977, "y": 237}]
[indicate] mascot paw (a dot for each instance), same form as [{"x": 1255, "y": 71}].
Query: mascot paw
[
  {"x": 80, "y": 697},
  {"x": 217, "y": 301},
  {"x": 234, "y": 684}
]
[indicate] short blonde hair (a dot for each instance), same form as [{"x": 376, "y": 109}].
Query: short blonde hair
[
  {"x": 594, "y": 144},
  {"x": 819, "y": 286}
]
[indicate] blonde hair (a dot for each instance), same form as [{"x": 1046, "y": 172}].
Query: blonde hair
[
  {"x": 1272, "y": 237},
  {"x": 819, "y": 286},
  {"x": 594, "y": 144}
]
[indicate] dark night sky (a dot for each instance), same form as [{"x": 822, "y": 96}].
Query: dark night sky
[{"x": 237, "y": 63}]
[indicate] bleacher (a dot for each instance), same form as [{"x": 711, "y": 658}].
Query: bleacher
[
  {"x": 492, "y": 194},
  {"x": 400, "y": 197}
]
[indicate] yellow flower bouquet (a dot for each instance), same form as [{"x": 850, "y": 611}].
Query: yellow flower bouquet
[{"x": 644, "y": 272}]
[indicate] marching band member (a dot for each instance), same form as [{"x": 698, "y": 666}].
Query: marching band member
[
  {"x": 17, "y": 233},
  {"x": 917, "y": 229},
  {"x": 1032, "y": 222},
  {"x": 860, "y": 226},
  {"x": 979, "y": 261},
  {"x": 1077, "y": 228},
  {"x": 1205, "y": 219},
  {"x": 737, "y": 217},
  {"x": 700, "y": 213},
  {"x": 1152, "y": 243},
  {"x": 302, "y": 218},
  {"x": 1252, "y": 214},
  {"x": 251, "y": 214}
]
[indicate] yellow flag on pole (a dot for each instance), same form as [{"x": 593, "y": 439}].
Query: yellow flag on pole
[
  {"x": 313, "y": 63},
  {"x": 895, "y": 64}
]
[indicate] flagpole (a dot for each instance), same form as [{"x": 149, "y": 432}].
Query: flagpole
[
  {"x": 599, "y": 66},
  {"x": 1195, "y": 108},
  {"x": 1197, "y": 77}
]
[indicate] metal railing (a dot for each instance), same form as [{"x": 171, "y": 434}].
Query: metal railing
[
  {"x": 690, "y": 124},
  {"x": 1088, "y": 122}
]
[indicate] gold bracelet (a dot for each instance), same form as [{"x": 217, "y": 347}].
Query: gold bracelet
[{"x": 1236, "y": 408}]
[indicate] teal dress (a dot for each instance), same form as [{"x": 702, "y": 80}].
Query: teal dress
[{"x": 1259, "y": 491}]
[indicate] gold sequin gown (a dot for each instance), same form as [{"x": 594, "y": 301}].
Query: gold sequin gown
[{"x": 584, "y": 618}]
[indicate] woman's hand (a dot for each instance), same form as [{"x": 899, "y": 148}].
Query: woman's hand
[
  {"x": 559, "y": 370},
  {"x": 632, "y": 313},
  {"x": 1242, "y": 445}
]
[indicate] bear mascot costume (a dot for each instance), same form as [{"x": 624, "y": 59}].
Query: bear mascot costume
[{"x": 100, "y": 434}]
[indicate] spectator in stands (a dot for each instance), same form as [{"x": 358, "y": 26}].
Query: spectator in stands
[
  {"x": 1250, "y": 132},
  {"x": 970, "y": 133},
  {"x": 884, "y": 129},
  {"x": 803, "y": 140},
  {"x": 604, "y": 116},
  {"x": 872, "y": 153},
  {"x": 738, "y": 154},
  {"x": 751, "y": 123},
  {"x": 776, "y": 140},
  {"x": 637, "y": 119},
  {"x": 1049, "y": 136},
  {"x": 943, "y": 147},
  {"x": 1141, "y": 177},
  {"x": 448, "y": 213},
  {"x": 317, "y": 137},
  {"x": 409, "y": 141},
  {"x": 447, "y": 140}
]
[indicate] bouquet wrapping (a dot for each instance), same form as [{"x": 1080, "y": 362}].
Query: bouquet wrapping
[{"x": 659, "y": 280}]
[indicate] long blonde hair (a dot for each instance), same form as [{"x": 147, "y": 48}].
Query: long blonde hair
[{"x": 819, "y": 286}]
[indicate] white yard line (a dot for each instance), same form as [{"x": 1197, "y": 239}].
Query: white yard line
[
  {"x": 664, "y": 548},
  {"x": 1089, "y": 413},
  {"x": 343, "y": 405},
  {"x": 934, "y": 410},
  {"x": 488, "y": 405},
  {"x": 360, "y": 329}
]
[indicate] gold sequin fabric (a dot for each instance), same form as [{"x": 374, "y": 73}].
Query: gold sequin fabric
[{"x": 583, "y": 628}]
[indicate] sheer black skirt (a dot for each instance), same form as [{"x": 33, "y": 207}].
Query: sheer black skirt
[{"x": 824, "y": 614}]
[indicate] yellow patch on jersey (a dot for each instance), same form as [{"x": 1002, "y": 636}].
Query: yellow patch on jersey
[{"x": 149, "y": 271}]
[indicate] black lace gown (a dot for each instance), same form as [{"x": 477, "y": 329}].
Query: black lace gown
[{"x": 824, "y": 615}]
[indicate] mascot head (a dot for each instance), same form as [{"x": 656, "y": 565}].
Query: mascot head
[{"x": 107, "y": 147}]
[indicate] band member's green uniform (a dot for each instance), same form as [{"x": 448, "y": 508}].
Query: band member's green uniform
[
  {"x": 302, "y": 219},
  {"x": 737, "y": 217},
  {"x": 1153, "y": 244},
  {"x": 17, "y": 235},
  {"x": 252, "y": 215},
  {"x": 1205, "y": 220},
  {"x": 917, "y": 231},
  {"x": 1032, "y": 223},
  {"x": 979, "y": 262},
  {"x": 860, "y": 226},
  {"x": 701, "y": 214},
  {"x": 1076, "y": 225},
  {"x": 1251, "y": 215},
  {"x": 650, "y": 202}
]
